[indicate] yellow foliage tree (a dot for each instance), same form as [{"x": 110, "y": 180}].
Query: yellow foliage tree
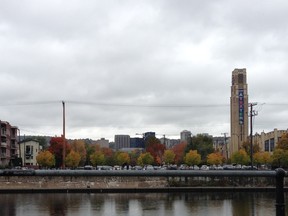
[
  {"x": 79, "y": 146},
  {"x": 45, "y": 159},
  {"x": 145, "y": 159},
  {"x": 123, "y": 158},
  {"x": 72, "y": 159},
  {"x": 97, "y": 158},
  {"x": 262, "y": 158},
  {"x": 192, "y": 158},
  {"x": 169, "y": 156},
  {"x": 240, "y": 157}
]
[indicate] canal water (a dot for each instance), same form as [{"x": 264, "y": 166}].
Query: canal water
[{"x": 142, "y": 204}]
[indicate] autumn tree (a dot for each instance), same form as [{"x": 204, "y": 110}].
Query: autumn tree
[
  {"x": 134, "y": 155},
  {"x": 283, "y": 142},
  {"x": 280, "y": 158},
  {"x": 179, "y": 151},
  {"x": 56, "y": 148},
  {"x": 145, "y": 159},
  {"x": 45, "y": 159},
  {"x": 202, "y": 143},
  {"x": 192, "y": 158},
  {"x": 97, "y": 158},
  {"x": 169, "y": 157},
  {"x": 109, "y": 156},
  {"x": 262, "y": 158},
  {"x": 215, "y": 158},
  {"x": 246, "y": 145},
  {"x": 72, "y": 159},
  {"x": 155, "y": 148},
  {"x": 79, "y": 147},
  {"x": 240, "y": 157},
  {"x": 280, "y": 153},
  {"x": 123, "y": 158}
]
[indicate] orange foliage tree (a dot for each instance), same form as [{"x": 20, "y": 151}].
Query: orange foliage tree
[
  {"x": 56, "y": 148},
  {"x": 215, "y": 158},
  {"x": 155, "y": 148},
  {"x": 179, "y": 151}
]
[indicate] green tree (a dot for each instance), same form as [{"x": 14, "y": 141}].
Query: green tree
[
  {"x": 240, "y": 157},
  {"x": 46, "y": 159},
  {"x": 145, "y": 159},
  {"x": 42, "y": 141},
  {"x": 192, "y": 158},
  {"x": 202, "y": 143},
  {"x": 72, "y": 159},
  {"x": 97, "y": 158},
  {"x": 169, "y": 157}
]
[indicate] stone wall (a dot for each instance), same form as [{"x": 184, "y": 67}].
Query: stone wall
[
  {"x": 80, "y": 182},
  {"x": 104, "y": 182}
]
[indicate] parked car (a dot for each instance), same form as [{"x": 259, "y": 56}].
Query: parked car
[{"x": 204, "y": 167}]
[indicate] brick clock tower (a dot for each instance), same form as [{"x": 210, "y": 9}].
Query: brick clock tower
[{"x": 238, "y": 110}]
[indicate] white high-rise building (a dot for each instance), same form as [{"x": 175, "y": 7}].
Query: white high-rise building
[{"x": 185, "y": 136}]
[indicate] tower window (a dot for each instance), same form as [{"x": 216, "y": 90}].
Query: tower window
[{"x": 240, "y": 78}]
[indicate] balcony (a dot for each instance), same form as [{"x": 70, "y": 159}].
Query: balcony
[
  {"x": 3, "y": 155},
  {"x": 4, "y": 144},
  {"x": 13, "y": 146},
  {"x": 3, "y": 133}
]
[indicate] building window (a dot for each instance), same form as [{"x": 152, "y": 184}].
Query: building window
[
  {"x": 266, "y": 146},
  {"x": 272, "y": 144}
]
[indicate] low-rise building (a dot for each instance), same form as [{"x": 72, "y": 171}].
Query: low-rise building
[
  {"x": 103, "y": 143},
  {"x": 268, "y": 141},
  {"x": 29, "y": 149}
]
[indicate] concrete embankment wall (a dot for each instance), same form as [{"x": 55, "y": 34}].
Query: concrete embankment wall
[{"x": 42, "y": 180}]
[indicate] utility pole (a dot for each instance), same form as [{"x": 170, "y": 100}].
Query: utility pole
[
  {"x": 252, "y": 114},
  {"x": 225, "y": 144},
  {"x": 64, "y": 146}
]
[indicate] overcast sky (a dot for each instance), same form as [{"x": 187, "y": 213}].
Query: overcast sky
[{"x": 127, "y": 67}]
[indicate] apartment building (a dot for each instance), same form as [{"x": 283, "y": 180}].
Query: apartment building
[{"x": 9, "y": 144}]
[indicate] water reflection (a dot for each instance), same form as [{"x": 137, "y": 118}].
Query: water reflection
[{"x": 179, "y": 204}]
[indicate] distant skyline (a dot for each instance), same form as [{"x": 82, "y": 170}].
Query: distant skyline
[{"x": 127, "y": 67}]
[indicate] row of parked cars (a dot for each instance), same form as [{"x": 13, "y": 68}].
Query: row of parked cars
[{"x": 172, "y": 167}]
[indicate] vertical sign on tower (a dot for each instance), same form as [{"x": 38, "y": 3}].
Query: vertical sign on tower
[{"x": 241, "y": 106}]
